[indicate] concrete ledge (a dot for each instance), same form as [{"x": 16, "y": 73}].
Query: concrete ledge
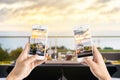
[{"x": 111, "y": 56}]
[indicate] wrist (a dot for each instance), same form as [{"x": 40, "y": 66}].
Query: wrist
[
  {"x": 106, "y": 78},
  {"x": 12, "y": 77}
]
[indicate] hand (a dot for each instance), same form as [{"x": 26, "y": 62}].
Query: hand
[
  {"x": 97, "y": 65},
  {"x": 24, "y": 65}
]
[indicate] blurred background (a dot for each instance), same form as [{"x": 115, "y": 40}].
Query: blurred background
[
  {"x": 60, "y": 16},
  {"x": 18, "y": 17}
]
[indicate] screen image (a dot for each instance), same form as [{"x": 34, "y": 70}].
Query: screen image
[
  {"x": 38, "y": 40},
  {"x": 83, "y": 42}
]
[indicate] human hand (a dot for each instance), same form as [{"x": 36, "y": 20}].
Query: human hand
[
  {"x": 24, "y": 65},
  {"x": 97, "y": 65}
]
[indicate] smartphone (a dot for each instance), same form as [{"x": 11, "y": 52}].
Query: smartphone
[
  {"x": 38, "y": 41},
  {"x": 83, "y": 41}
]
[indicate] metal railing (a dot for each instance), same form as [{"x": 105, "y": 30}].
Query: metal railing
[
  {"x": 96, "y": 39},
  {"x": 66, "y": 41}
]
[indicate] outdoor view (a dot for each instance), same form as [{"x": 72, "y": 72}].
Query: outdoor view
[{"x": 17, "y": 18}]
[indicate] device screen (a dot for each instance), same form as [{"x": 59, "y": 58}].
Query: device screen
[
  {"x": 83, "y": 41},
  {"x": 38, "y": 40}
]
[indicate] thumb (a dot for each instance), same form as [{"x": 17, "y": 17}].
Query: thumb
[{"x": 38, "y": 62}]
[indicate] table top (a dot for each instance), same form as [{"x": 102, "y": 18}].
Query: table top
[{"x": 62, "y": 62}]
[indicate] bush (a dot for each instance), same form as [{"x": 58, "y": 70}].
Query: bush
[
  {"x": 4, "y": 56},
  {"x": 108, "y": 48},
  {"x": 15, "y": 53}
]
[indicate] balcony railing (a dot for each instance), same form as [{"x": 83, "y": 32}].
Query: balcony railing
[{"x": 13, "y": 42}]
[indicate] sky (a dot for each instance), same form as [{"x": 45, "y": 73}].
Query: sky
[{"x": 60, "y": 16}]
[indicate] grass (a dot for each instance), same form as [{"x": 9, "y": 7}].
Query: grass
[
  {"x": 5, "y": 62},
  {"x": 102, "y": 51},
  {"x": 116, "y": 62},
  {"x": 114, "y": 51}
]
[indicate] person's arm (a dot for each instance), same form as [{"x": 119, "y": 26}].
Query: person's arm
[
  {"x": 97, "y": 65},
  {"x": 24, "y": 65}
]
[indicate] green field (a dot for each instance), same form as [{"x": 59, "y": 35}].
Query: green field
[
  {"x": 6, "y": 62},
  {"x": 102, "y": 51},
  {"x": 111, "y": 51}
]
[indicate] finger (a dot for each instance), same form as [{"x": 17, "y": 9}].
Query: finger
[
  {"x": 31, "y": 59},
  {"x": 84, "y": 63},
  {"x": 97, "y": 54},
  {"x": 38, "y": 62},
  {"x": 26, "y": 49},
  {"x": 46, "y": 55},
  {"x": 89, "y": 61}
]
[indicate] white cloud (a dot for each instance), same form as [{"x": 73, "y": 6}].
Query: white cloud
[{"x": 21, "y": 15}]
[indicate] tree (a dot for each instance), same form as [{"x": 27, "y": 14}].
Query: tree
[
  {"x": 99, "y": 48},
  {"x": 15, "y": 53},
  {"x": 108, "y": 48},
  {"x": 4, "y": 56},
  {"x": 62, "y": 47}
]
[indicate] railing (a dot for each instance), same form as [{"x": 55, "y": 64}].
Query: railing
[
  {"x": 67, "y": 41},
  {"x": 13, "y": 42}
]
